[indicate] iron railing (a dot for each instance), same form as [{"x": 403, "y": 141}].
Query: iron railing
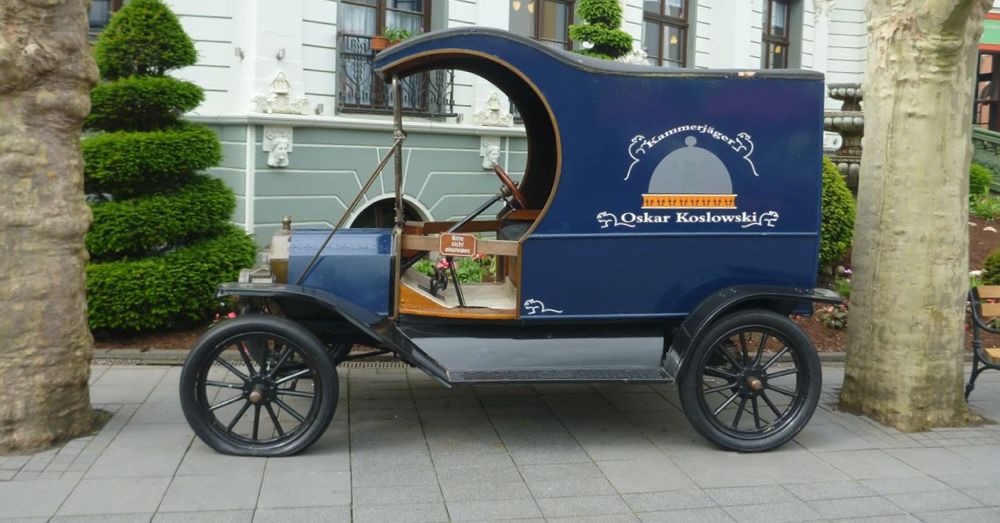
[
  {"x": 987, "y": 146},
  {"x": 360, "y": 90}
]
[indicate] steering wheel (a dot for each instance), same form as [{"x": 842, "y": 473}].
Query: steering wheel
[{"x": 511, "y": 186}]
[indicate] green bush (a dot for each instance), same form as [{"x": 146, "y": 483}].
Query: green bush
[
  {"x": 144, "y": 38},
  {"x": 162, "y": 243},
  {"x": 141, "y": 103},
  {"x": 839, "y": 210},
  {"x": 991, "y": 269},
  {"x": 979, "y": 180},
  {"x": 166, "y": 290},
  {"x": 602, "y": 30},
  {"x": 138, "y": 226},
  {"x": 127, "y": 164}
]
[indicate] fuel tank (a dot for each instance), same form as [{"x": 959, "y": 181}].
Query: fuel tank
[{"x": 356, "y": 265}]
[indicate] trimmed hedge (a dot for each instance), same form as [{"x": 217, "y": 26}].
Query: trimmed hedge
[
  {"x": 144, "y": 38},
  {"x": 603, "y": 29},
  {"x": 141, "y": 103},
  {"x": 166, "y": 290},
  {"x": 127, "y": 164},
  {"x": 979, "y": 179},
  {"x": 140, "y": 225},
  {"x": 991, "y": 269},
  {"x": 839, "y": 210}
]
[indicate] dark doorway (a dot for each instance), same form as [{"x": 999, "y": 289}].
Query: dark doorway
[{"x": 380, "y": 215}]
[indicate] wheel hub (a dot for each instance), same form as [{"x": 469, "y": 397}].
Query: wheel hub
[
  {"x": 751, "y": 382},
  {"x": 260, "y": 390}
]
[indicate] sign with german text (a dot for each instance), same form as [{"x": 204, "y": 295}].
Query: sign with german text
[{"x": 457, "y": 244}]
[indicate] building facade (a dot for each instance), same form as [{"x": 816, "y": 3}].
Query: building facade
[{"x": 303, "y": 119}]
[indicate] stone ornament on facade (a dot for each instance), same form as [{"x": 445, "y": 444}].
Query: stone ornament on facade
[
  {"x": 637, "y": 56},
  {"x": 280, "y": 101},
  {"x": 494, "y": 115},
  {"x": 489, "y": 149},
  {"x": 277, "y": 143}
]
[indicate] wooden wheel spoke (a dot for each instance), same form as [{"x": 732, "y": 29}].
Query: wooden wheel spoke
[
  {"x": 756, "y": 414},
  {"x": 274, "y": 419},
  {"x": 284, "y": 406},
  {"x": 781, "y": 390},
  {"x": 292, "y": 376},
  {"x": 236, "y": 419},
  {"x": 743, "y": 347},
  {"x": 760, "y": 348},
  {"x": 777, "y": 413},
  {"x": 297, "y": 394},
  {"x": 227, "y": 402},
  {"x": 234, "y": 370},
  {"x": 780, "y": 373},
  {"x": 739, "y": 413},
  {"x": 223, "y": 384},
  {"x": 245, "y": 354},
  {"x": 729, "y": 357},
  {"x": 281, "y": 361},
  {"x": 256, "y": 421},
  {"x": 725, "y": 404},
  {"x": 716, "y": 372},
  {"x": 775, "y": 358},
  {"x": 720, "y": 388}
]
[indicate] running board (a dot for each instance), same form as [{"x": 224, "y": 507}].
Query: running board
[{"x": 634, "y": 375}]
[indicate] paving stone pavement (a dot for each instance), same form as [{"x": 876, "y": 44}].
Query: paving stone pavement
[{"x": 402, "y": 448}]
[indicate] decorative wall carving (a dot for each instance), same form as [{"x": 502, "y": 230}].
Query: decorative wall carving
[
  {"x": 279, "y": 100},
  {"x": 489, "y": 149},
  {"x": 277, "y": 143},
  {"x": 494, "y": 114}
]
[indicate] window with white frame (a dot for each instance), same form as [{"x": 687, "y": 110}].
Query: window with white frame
[
  {"x": 665, "y": 32},
  {"x": 775, "y": 39}
]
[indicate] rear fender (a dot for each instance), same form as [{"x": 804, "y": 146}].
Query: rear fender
[
  {"x": 783, "y": 300},
  {"x": 380, "y": 329}
]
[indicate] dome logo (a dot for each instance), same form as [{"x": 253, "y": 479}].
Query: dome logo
[{"x": 692, "y": 181}]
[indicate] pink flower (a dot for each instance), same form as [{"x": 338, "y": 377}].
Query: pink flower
[
  {"x": 443, "y": 264},
  {"x": 231, "y": 315}
]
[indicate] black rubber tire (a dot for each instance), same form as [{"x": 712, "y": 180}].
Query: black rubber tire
[
  {"x": 202, "y": 357},
  {"x": 801, "y": 407}
]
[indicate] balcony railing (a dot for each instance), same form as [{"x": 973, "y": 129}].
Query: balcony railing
[{"x": 360, "y": 90}]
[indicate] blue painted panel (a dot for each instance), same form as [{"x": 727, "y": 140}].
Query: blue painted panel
[
  {"x": 673, "y": 183},
  {"x": 356, "y": 265}
]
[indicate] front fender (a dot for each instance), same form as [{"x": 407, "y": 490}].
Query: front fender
[
  {"x": 380, "y": 328},
  {"x": 783, "y": 300}
]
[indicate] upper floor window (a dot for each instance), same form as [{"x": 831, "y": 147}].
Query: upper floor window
[
  {"x": 359, "y": 89},
  {"x": 100, "y": 13},
  {"x": 775, "y": 38},
  {"x": 371, "y": 17},
  {"x": 547, "y": 21},
  {"x": 665, "y": 32}
]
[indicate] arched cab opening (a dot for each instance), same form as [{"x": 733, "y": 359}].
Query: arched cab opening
[{"x": 438, "y": 290}]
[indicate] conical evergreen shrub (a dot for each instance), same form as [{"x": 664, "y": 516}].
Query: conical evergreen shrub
[
  {"x": 161, "y": 239},
  {"x": 602, "y": 30}
]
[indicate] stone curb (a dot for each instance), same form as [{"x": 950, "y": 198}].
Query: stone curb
[{"x": 176, "y": 357}]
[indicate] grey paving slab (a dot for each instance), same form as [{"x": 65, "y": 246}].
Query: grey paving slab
[
  {"x": 222, "y": 516},
  {"x": 968, "y": 515},
  {"x": 755, "y": 495},
  {"x": 399, "y": 495},
  {"x": 855, "y": 508},
  {"x": 868, "y": 464},
  {"x": 303, "y": 515},
  {"x": 309, "y": 489},
  {"x": 932, "y": 501},
  {"x": 894, "y": 518},
  {"x": 667, "y": 501},
  {"x": 115, "y": 496},
  {"x": 483, "y": 490},
  {"x": 888, "y": 486},
  {"x": 583, "y": 506},
  {"x": 830, "y": 490},
  {"x": 557, "y": 488},
  {"x": 934, "y": 460},
  {"x": 603, "y": 518},
  {"x": 697, "y": 515},
  {"x": 205, "y": 493},
  {"x": 409, "y": 513},
  {"x": 143, "y": 450},
  {"x": 493, "y": 509},
  {"x": 24, "y": 499},
  {"x": 647, "y": 475},
  {"x": 789, "y": 512},
  {"x": 712, "y": 468},
  {"x": 104, "y": 518}
]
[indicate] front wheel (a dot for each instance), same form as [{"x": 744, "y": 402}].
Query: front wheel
[
  {"x": 752, "y": 382},
  {"x": 259, "y": 385}
]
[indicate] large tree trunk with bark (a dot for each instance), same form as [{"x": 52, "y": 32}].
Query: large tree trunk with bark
[
  {"x": 46, "y": 73},
  {"x": 905, "y": 337}
]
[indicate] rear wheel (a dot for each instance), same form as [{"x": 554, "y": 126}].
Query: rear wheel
[
  {"x": 259, "y": 386},
  {"x": 752, "y": 383}
]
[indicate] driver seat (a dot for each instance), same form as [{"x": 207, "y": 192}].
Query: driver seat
[{"x": 515, "y": 224}]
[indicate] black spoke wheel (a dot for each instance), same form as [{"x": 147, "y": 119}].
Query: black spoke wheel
[
  {"x": 752, "y": 382},
  {"x": 259, "y": 385}
]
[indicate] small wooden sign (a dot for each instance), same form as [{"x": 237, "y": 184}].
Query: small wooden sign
[{"x": 457, "y": 244}]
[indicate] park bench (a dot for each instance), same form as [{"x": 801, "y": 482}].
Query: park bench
[{"x": 985, "y": 304}]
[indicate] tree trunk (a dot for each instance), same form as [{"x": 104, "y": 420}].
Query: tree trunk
[
  {"x": 905, "y": 337},
  {"x": 46, "y": 73}
]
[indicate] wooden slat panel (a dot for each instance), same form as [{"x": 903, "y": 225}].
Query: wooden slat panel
[
  {"x": 993, "y": 353},
  {"x": 432, "y": 242},
  {"x": 989, "y": 310},
  {"x": 473, "y": 226},
  {"x": 988, "y": 291},
  {"x": 522, "y": 214},
  {"x": 412, "y": 302}
]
